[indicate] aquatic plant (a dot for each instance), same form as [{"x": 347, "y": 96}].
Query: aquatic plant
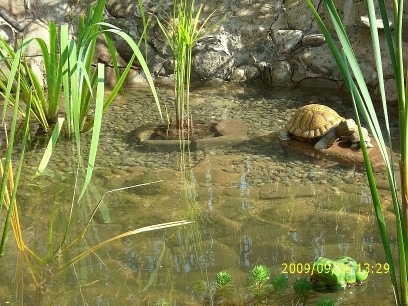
[
  {"x": 68, "y": 70},
  {"x": 224, "y": 284},
  {"x": 363, "y": 104},
  {"x": 51, "y": 258},
  {"x": 182, "y": 32},
  {"x": 324, "y": 302},
  {"x": 302, "y": 287},
  {"x": 260, "y": 276},
  {"x": 67, "y": 64},
  {"x": 279, "y": 282},
  {"x": 161, "y": 302},
  {"x": 223, "y": 278}
]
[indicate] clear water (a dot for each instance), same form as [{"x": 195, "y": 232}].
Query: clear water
[{"x": 255, "y": 203}]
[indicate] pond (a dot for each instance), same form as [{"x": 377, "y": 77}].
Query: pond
[{"x": 254, "y": 203}]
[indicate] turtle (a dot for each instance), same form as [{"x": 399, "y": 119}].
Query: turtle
[{"x": 318, "y": 122}]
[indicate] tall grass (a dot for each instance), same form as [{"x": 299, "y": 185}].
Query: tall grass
[
  {"x": 69, "y": 71},
  {"x": 182, "y": 33},
  {"x": 348, "y": 64}
]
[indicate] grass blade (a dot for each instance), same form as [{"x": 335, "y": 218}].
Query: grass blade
[
  {"x": 123, "y": 235},
  {"x": 96, "y": 129},
  {"x": 50, "y": 147}
]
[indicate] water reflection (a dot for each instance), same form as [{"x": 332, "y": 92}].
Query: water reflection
[
  {"x": 245, "y": 249},
  {"x": 318, "y": 244},
  {"x": 245, "y": 188}
]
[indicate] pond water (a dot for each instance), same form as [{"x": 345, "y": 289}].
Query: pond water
[{"x": 254, "y": 203}]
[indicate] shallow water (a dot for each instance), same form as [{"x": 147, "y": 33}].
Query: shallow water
[{"x": 254, "y": 203}]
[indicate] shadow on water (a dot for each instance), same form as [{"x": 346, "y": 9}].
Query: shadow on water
[{"x": 255, "y": 203}]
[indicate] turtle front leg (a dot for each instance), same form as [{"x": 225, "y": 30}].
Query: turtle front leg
[
  {"x": 326, "y": 141},
  {"x": 284, "y": 135}
]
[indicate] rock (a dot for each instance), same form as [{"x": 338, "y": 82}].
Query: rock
[
  {"x": 281, "y": 74},
  {"x": 217, "y": 142},
  {"x": 298, "y": 15},
  {"x": 231, "y": 127},
  {"x": 339, "y": 152},
  {"x": 314, "y": 62},
  {"x": 364, "y": 22},
  {"x": 245, "y": 73},
  {"x": 313, "y": 40},
  {"x": 36, "y": 29},
  {"x": 286, "y": 40},
  {"x": 279, "y": 191},
  {"x": 212, "y": 59},
  {"x": 6, "y": 33},
  {"x": 370, "y": 74},
  {"x": 130, "y": 28},
  {"x": 320, "y": 83},
  {"x": 57, "y": 11},
  {"x": 282, "y": 34},
  {"x": 122, "y": 8},
  {"x": 15, "y": 7},
  {"x": 390, "y": 89},
  {"x": 37, "y": 65}
]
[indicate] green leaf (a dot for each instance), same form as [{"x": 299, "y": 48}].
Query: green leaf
[
  {"x": 96, "y": 129},
  {"x": 50, "y": 147}
]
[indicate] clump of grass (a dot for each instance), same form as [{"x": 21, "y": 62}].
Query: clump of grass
[{"x": 182, "y": 32}]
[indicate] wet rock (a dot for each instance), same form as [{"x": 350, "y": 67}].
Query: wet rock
[
  {"x": 245, "y": 73},
  {"x": 320, "y": 83},
  {"x": 339, "y": 152},
  {"x": 235, "y": 127},
  {"x": 281, "y": 74},
  {"x": 218, "y": 142}
]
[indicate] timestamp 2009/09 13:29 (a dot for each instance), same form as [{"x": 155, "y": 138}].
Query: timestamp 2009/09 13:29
[{"x": 307, "y": 268}]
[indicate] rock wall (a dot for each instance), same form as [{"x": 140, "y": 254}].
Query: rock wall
[{"x": 274, "y": 40}]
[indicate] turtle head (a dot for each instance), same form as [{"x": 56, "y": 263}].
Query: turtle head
[{"x": 346, "y": 127}]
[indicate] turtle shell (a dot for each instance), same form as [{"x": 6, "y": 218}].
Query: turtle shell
[{"x": 313, "y": 121}]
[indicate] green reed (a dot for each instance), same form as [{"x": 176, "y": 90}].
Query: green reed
[
  {"x": 69, "y": 71},
  {"x": 363, "y": 104},
  {"x": 182, "y": 32}
]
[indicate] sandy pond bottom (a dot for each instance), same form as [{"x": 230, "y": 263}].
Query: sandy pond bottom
[{"x": 255, "y": 203}]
